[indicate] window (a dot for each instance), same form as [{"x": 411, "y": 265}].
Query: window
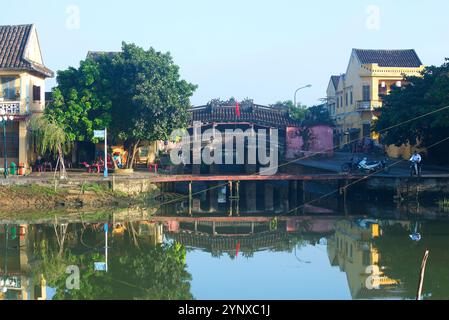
[
  {"x": 366, "y": 93},
  {"x": 346, "y": 99},
  {"x": 338, "y": 102},
  {"x": 352, "y": 98},
  {"x": 8, "y": 88},
  {"x": 367, "y": 130},
  {"x": 36, "y": 93}
]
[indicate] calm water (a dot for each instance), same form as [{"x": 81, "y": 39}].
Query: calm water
[{"x": 321, "y": 257}]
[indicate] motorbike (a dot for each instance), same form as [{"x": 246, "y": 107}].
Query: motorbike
[
  {"x": 415, "y": 169},
  {"x": 366, "y": 167}
]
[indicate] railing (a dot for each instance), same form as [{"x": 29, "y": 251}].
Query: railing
[
  {"x": 10, "y": 107},
  {"x": 368, "y": 105}
]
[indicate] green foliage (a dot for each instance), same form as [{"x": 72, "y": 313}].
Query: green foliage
[
  {"x": 318, "y": 115},
  {"x": 314, "y": 115},
  {"x": 136, "y": 93},
  {"x": 405, "y": 115},
  {"x": 142, "y": 271},
  {"x": 81, "y": 101},
  {"x": 49, "y": 135}
]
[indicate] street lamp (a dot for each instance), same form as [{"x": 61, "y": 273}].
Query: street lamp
[
  {"x": 296, "y": 92},
  {"x": 4, "y": 289},
  {"x": 3, "y": 119}
]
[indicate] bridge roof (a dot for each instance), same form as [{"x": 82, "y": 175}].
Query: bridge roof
[{"x": 267, "y": 116}]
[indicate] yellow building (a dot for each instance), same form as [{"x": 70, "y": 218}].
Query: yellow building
[
  {"x": 22, "y": 88},
  {"x": 353, "y": 96}
]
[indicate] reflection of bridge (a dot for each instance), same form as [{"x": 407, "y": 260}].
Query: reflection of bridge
[{"x": 246, "y": 234}]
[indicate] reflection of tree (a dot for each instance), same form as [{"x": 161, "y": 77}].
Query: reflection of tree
[
  {"x": 136, "y": 271},
  {"x": 402, "y": 258}
]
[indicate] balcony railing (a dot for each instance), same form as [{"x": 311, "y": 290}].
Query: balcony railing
[
  {"x": 368, "y": 105},
  {"x": 10, "y": 107}
]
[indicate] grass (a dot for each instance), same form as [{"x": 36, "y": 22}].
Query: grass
[
  {"x": 35, "y": 190},
  {"x": 95, "y": 187}
]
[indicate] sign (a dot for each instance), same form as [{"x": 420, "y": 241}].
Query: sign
[
  {"x": 99, "y": 134},
  {"x": 11, "y": 283},
  {"x": 100, "y": 266}
]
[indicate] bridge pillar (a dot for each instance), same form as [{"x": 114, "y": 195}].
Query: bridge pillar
[
  {"x": 284, "y": 198},
  {"x": 213, "y": 197},
  {"x": 343, "y": 193},
  {"x": 293, "y": 189},
  {"x": 251, "y": 196},
  {"x": 269, "y": 197}
]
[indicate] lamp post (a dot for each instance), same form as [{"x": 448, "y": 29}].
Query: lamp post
[
  {"x": 3, "y": 119},
  {"x": 4, "y": 288},
  {"x": 296, "y": 92}
]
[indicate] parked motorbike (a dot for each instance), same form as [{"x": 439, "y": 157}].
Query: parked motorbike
[
  {"x": 366, "y": 167},
  {"x": 415, "y": 169}
]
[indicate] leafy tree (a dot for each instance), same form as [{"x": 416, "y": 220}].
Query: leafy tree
[
  {"x": 318, "y": 115},
  {"x": 297, "y": 113},
  {"x": 410, "y": 113},
  {"x": 51, "y": 137},
  {"x": 81, "y": 101},
  {"x": 137, "y": 93}
]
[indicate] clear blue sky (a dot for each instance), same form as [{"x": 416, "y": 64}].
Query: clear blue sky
[{"x": 258, "y": 49}]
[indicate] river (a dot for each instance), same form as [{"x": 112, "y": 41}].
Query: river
[{"x": 371, "y": 250}]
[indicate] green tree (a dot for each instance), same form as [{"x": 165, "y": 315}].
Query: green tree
[
  {"x": 410, "y": 113},
  {"x": 136, "y": 93},
  {"x": 297, "y": 113},
  {"x": 81, "y": 101}
]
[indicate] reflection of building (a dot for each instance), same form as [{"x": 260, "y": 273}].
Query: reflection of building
[
  {"x": 15, "y": 266},
  {"x": 352, "y": 250},
  {"x": 22, "y": 86},
  {"x": 353, "y": 96}
]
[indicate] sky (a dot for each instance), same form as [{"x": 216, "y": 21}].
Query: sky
[
  {"x": 268, "y": 275},
  {"x": 263, "y": 50}
]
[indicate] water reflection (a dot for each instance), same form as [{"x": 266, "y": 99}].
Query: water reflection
[{"x": 163, "y": 257}]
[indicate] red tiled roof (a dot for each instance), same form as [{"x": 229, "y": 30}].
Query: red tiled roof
[
  {"x": 13, "y": 42},
  {"x": 261, "y": 115}
]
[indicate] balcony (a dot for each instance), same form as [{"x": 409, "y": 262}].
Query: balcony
[
  {"x": 10, "y": 107},
  {"x": 364, "y": 106}
]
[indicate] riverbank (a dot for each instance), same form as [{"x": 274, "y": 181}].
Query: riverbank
[{"x": 46, "y": 195}]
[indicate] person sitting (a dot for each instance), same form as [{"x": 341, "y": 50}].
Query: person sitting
[{"x": 39, "y": 164}]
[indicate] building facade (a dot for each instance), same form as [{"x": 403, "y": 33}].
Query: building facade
[
  {"x": 354, "y": 96},
  {"x": 22, "y": 88}
]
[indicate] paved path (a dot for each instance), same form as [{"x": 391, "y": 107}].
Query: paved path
[{"x": 398, "y": 168}]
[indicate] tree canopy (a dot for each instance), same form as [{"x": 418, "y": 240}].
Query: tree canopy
[
  {"x": 138, "y": 94},
  {"x": 415, "y": 113}
]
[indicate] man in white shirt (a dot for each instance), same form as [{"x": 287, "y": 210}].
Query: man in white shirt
[{"x": 416, "y": 157}]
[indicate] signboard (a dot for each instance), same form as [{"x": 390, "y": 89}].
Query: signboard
[
  {"x": 11, "y": 283},
  {"x": 99, "y": 134},
  {"x": 100, "y": 266}
]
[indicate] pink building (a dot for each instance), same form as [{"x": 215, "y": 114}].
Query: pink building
[{"x": 304, "y": 141}]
